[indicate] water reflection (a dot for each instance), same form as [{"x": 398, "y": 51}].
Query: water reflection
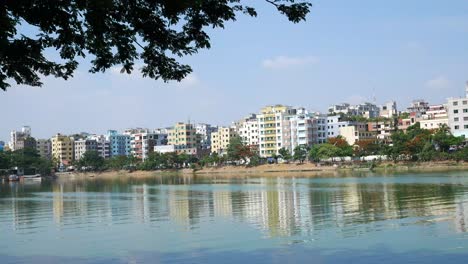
[{"x": 298, "y": 209}]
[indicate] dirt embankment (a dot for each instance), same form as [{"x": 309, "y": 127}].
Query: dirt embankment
[{"x": 277, "y": 170}]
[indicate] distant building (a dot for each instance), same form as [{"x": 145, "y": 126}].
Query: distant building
[
  {"x": 389, "y": 109},
  {"x": 418, "y": 107},
  {"x": 204, "y": 133},
  {"x": 183, "y": 136},
  {"x": 356, "y": 132},
  {"x": 247, "y": 129},
  {"x": 62, "y": 149},
  {"x": 435, "y": 117},
  {"x": 17, "y": 138},
  {"x": 119, "y": 143},
  {"x": 334, "y": 123},
  {"x": 2, "y": 145},
  {"x": 458, "y": 115},
  {"x": 103, "y": 145},
  {"x": 366, "y": 109},
  {"x": 382, "y": 129},
  {"x": 144, "y": 140},
  {"x": 82, "y": 146},
  {"x": 299, "y": 129},
  {"x": 220, "y": 139},
  {"x": 44, "y": 148},
  {"x": 270, "y": 127}
]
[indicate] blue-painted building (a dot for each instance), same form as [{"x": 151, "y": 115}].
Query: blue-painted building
[
  {"x": 119, "y": 143},
  {"x": 2, "y": 145}
]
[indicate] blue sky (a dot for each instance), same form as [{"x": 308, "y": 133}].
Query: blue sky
[{"x": 345, "y": 51}]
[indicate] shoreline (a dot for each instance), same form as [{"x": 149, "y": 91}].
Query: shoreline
[{"x": 280, "y": 170}]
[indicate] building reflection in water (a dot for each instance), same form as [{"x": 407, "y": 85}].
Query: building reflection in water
[{"x": 276, "y": 206}]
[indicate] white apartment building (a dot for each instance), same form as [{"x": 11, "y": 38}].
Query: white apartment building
[
  {"x": 334, "y": 123},
  {"x": 299, "y": 130},
  {"x": 204, "y": 133},
  {"x": 270, "y": 127},
  {"x": 247, "y": 129},
  {"x": 17, "y": 138},
  {"x": 81, "y": 146},
  {"x": 458, "y": 114},
  {"x": 389, "y": 109},
  {"x": 368, "y": 110},
  {"x": 435, "y": 117}
]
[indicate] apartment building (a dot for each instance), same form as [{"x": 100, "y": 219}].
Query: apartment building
[
  {"x": 203, "y": 132},
  {"x": 17, "y": 138},
  {"x": 62, "y": 149},
  {"x": 119, "y": 143},
  {"x": 368, "y": 110},
  {"x": 220, "y": 139},
  {"x": 183, "y": 136},
  {"x": 299, "y": 129},
  {"x": 458, "y": 114},
  {"x": 334, "y": 123},
  {"x": 247, "y": 129},
  {"x": 389, "y": 109},
  {"x": 44, "y": 148},
  {"x": 435, "y": 117},
  {"x": 356, "y": 132},
  {"x": 81, "y": 146},
  {"x": 270, "y": 124}
]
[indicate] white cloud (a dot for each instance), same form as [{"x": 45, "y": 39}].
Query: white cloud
[
  {"x": 284, "y": 62},
  {"x": 438, "y": 83}
]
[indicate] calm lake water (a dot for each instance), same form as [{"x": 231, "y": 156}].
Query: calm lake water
[{"x": 368, "y": 218}]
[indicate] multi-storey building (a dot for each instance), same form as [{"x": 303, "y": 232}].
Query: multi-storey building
[
  {"x": 2, "y": 145},
  {"x": 418, "y": 107},
  {"x": 220, "y": 139},
  {"x": 247, "y": 129},
  {"x": 144, "y": 141},
  {"x": 356, "y": 132},
  {"x": 270, "y": 124},
  {"x": 103, "y": 145},
  {"x": 435, "y": 117},
  {"x": 458, "y": 115},
  {"x": 299, "y": 129},
  {"x": 321, "y": 128},
  {"x": 183, "y": 136},
  {"x": 389, "y": 109},
  {"x": 119, "y": 143},
  {"x": 367, "y": 110},
  {"x": 17, "y": 138},
  {"x": 382, "y": 129},
  {"x": 44, "y": 148},
  {"x": 334, "y": 123},
  {"x": 204, "y": 131},
  {"x": 62, "y": 149},
  {"x": 81, "y": 146}
]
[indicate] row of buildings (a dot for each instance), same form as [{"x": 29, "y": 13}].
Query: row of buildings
[{"x": 272, "y": 128}]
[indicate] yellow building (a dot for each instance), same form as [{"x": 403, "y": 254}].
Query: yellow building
[
  {"x": 221, "y": 138},
  {"x": 357, "y": 132},
  {"x": 62, "y": 149},
  {"x": 270, "y": 122},
  {"x": 183, "y": 136}
]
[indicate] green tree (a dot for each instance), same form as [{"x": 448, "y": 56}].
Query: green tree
[
  {"x": 92, "y": 161},
  {"x": 284, "y": 154},
  {"x": 237, "y": 150},
  {"x": 300, "y": 153},
  {"x": 113, "y": 33}
]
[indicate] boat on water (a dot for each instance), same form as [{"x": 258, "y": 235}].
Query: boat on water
[
  {"x": 13, "y": 177},
  {"x": 35, "y": 177}
]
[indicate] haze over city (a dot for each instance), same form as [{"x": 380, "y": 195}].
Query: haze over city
[{"x": 346, "y": 52}]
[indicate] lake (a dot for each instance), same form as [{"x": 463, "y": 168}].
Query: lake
[{"x": 357, "y": 218}]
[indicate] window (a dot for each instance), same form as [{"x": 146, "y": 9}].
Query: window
[
  {"x": 457, "y": 127},
  {"x": 466, "y": 126},
  {"x": 465, "y": 102},
  {"x": 465, "y": 110},
  {"x": 455, "y": 103},
  {"x": 456, "y": 119},
  {"x": 455, "y": 111}
]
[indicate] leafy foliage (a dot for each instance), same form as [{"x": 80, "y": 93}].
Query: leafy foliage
[
  {"x": 26, "y": 158},
  {"x": 114, "y": 33}
]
